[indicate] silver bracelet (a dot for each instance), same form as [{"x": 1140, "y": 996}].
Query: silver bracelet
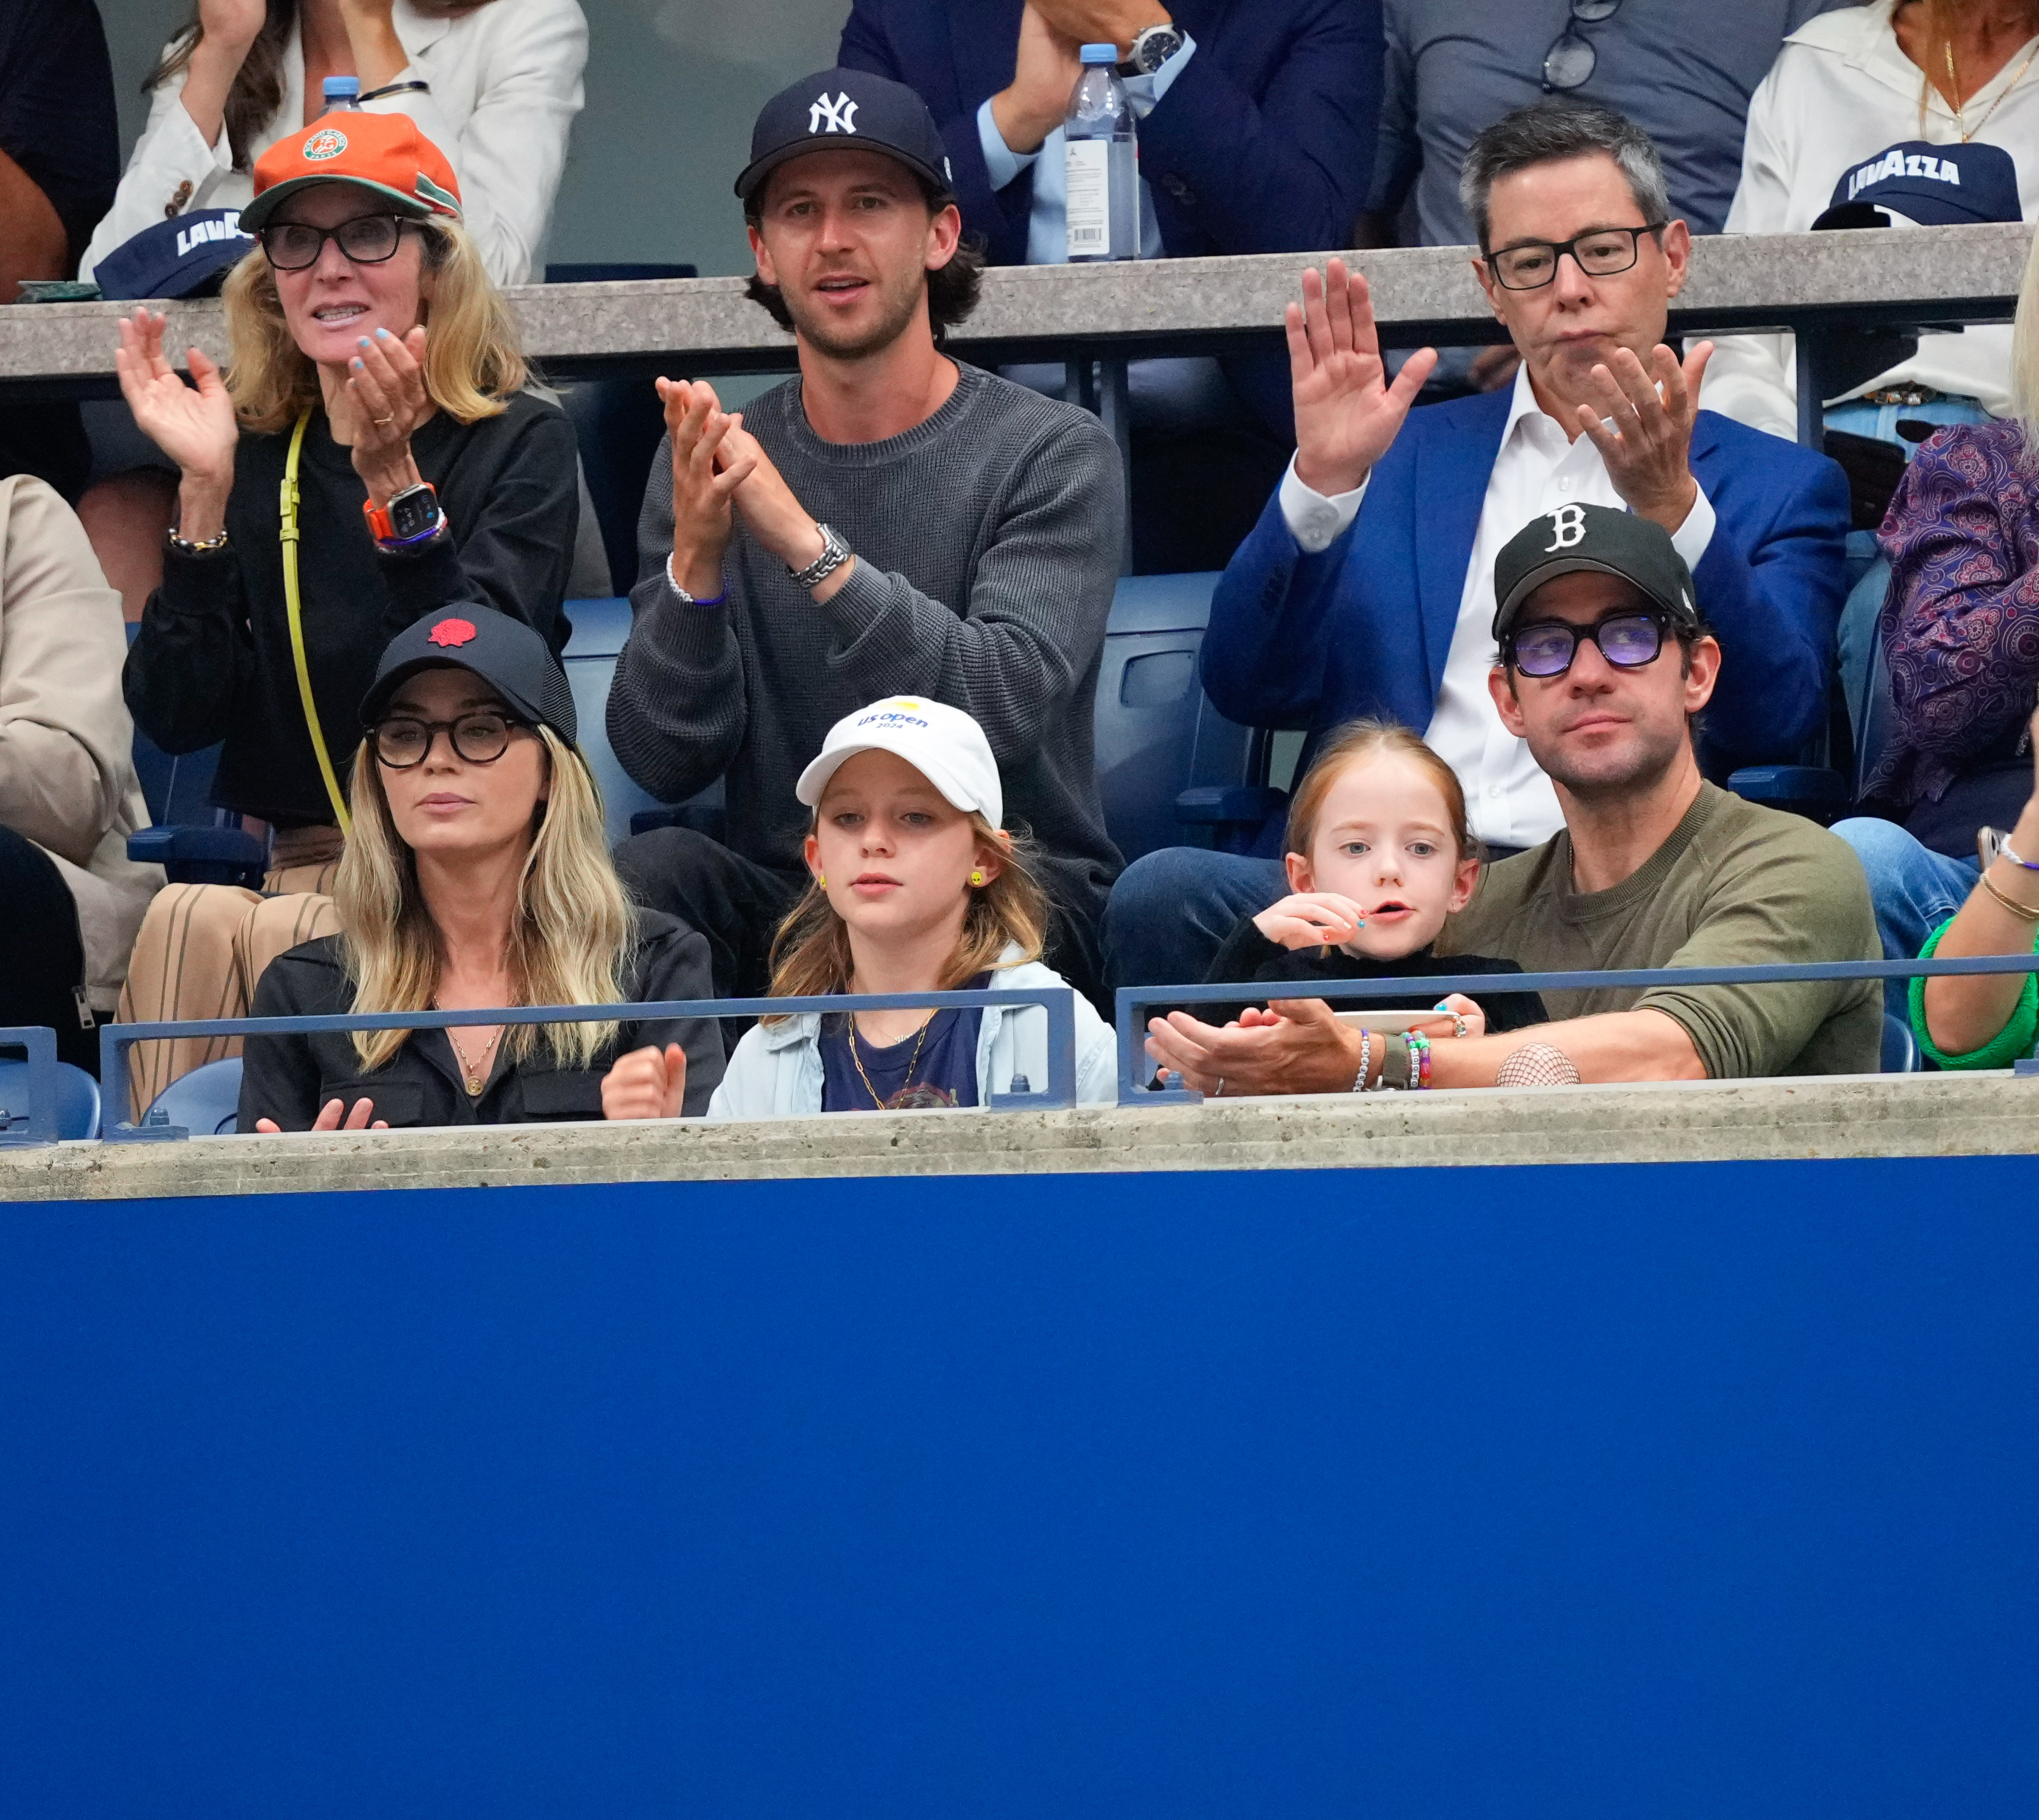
[
  {"x": 204, "y": 546},
  {"x": 835, "y": 552},
  {"x": 1365, "y": 1058},
  {"x": 2007, "y": 853}
]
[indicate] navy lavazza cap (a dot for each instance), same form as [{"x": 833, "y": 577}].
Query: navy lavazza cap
[
  {"x": 838, "y": 108},
  {"x": 1600, "y": 538},
  {"x": 188, "y": 256},
  {"x": 505, "y": 653},
  {"x": 1926, "y": 186}
]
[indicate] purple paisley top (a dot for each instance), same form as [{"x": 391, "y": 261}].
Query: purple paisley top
[{"x": 1961, "y": 623}]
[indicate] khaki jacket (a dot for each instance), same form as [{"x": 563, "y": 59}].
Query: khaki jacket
[{"x": 67, "y": 778}]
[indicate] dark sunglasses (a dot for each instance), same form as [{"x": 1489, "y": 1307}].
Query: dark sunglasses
[
  {"x": 1570, "y": 61},
  {"x": 367, "y": 240},
  {"x": 480, "y": 737},
  {"x": 1545, "y": 648}
]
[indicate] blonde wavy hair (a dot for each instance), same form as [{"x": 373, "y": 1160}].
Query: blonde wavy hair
[
  {"x": 473, "y": 358},
  {"x": 570, "y": 943},
  {"x": 811, "y": 953}
]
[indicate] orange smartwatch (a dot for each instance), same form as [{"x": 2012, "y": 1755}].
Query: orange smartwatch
[{"x": 412, "y": 517}]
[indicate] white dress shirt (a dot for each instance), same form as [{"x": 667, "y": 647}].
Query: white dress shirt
[
  {"x": 1509, "y": 800},
  {"x": 505, "y": 84},
  {"x": 1841, "y": 91},
  {"x": 1047, "y": 233}
]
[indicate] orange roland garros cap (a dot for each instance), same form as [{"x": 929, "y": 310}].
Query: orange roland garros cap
[{"x": 382, "y": 153}]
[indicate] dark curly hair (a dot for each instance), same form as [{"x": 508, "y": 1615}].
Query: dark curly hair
[{"x": 952, "y": 289}]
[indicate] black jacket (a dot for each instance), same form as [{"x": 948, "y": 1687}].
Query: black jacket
[
  {"x": 1248, "y": 954},
  {"x": 289, "y": 1078},
  {"x": 211, "y": 660}
]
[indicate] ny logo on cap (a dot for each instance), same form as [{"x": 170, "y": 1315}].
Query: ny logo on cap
[
  {"x": 840, "y": 114},
  {"x": 1568, "y": 527}
]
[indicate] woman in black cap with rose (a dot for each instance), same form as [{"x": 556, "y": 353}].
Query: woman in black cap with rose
[{"x": 476, "y": 875}]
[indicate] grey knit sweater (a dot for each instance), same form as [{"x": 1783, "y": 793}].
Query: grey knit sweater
[{"x": 987, "y": 541}]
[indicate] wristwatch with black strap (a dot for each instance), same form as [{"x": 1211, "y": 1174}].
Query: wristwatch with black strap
[{"x": 1152, "y": 47}]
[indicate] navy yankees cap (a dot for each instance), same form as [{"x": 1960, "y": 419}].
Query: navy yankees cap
[
  {"x": 505, "y": 653},
  {"x": 1926, "y": 186},
  {"x": 187, "y": 256},
  {"x": 1600, "y": 538},
  {"x": 837, "y": 108}
]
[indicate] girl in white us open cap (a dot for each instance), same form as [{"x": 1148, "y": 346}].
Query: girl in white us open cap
[{"x": 916, "y": 887}]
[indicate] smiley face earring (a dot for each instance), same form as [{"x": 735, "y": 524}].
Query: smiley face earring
[{"x": 977, "y": 877}]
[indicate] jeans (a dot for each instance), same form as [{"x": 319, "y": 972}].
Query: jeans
[
  {"x": 1172, "y": 909},
  {"x": 1860, "y": 418},
  {"x": 1913, "y": 889}
]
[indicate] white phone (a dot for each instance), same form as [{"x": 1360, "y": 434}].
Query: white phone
[{"x": 1395, "y": 1020}]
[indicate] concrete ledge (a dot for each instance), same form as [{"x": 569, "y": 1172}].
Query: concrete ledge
[
  {"x": 1867, "y": 1115},
  {"x": 705, "y": 326}
]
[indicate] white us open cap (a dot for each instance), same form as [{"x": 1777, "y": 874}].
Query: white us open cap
[{"x": 943, "y": 743}]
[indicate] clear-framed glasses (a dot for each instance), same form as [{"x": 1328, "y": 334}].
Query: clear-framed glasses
[
  {"x": 1570, "y": 61},
  {"x": 367, "y": 240},
  {"x": 1605, "y": 251},
  {"x": 480, "y": 737},
  {"x": 1546, "y": 647}
]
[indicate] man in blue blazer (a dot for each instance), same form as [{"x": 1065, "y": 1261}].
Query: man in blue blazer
[
  {"x": 1258, "y": 120},
  {"x": 1367, "y": 587}
]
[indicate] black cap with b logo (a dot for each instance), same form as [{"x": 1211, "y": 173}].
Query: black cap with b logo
[
  {"x": 1600, "y": 538},
  {"x": 835, "y": 109}
]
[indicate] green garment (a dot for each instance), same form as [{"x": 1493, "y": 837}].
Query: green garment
[
  {"x": 1735, "y": 885},
  {"x": 2017, "y": 1038}
]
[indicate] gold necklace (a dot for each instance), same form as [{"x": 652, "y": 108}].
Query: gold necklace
[
  {"x": 474, "y": 1075},
  {"x": 1954, "y": 88},
  {"x": 913, "y": 1062}
]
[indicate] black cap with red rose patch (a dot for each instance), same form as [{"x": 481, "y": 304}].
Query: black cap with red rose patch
[{"x": 505, "y": 653}]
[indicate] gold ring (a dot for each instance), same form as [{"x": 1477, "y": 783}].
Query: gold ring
[{"x": 380, "y": 421}]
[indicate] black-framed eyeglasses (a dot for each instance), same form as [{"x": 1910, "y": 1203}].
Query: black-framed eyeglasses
[
  {"x": 1570, "y": 61},
  {"x": 480, "y": 737},
  {"x": 1545, "y": 647},
  {"x": 367, "y": 240},
  {"x": 1599, "y": 254}
]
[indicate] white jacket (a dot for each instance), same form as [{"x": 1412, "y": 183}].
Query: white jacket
[
  {"x": 505, "y": 87},
  {"x": 67, "y": 744},
  {"x": 1840, "y": 90},
  {"x": 776, "y": 1070}
]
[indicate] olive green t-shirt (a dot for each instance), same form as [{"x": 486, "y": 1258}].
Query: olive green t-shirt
[{"x": 1735, "y": 885}]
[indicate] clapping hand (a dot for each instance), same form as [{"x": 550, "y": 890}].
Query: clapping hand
[
  {"x": 646, "y": 1084},
  {"x": 195, "y": 429},
  {"x": 386, "y": 383},
  {"x": 1345, "y": 415},
  {"x": 329, "y": 1119},
  {"x": 1310, "y": 919},
  {"x": 706, "y": 474},
  {"x": 1641, "y": 421},
  {"x": 1045, "y": 69}
]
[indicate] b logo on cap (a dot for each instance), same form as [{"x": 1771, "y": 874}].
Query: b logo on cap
[
  {"x": 840, "y": 114},
  {"x": 329, "y": 144},
  {"x": 450, "y": 632},
  {"x": 1568, "y": 523}
]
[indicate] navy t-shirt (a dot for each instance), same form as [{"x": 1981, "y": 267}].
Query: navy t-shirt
[{"x": 934, "y": 1067}]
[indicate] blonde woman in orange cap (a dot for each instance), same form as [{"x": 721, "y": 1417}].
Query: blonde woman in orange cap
[{"x": 374, "y": 384}]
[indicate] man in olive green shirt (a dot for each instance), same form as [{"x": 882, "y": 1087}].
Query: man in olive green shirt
[{"x": 1603, "y": 663}]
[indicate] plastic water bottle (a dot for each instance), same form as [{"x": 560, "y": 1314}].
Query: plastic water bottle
[
  {"x": 343, "y": 94},
  {"x": 1101, "y": 205}
]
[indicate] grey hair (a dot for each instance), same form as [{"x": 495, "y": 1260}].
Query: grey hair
[{"x": 1549, "y": 130}]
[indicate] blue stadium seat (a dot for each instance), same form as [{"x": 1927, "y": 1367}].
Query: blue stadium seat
[
  {"x": 1865, "y": 673},
  {"x": 205, "y": 1102},
  {"x": 192, "y": 841},
  {"x": 1900, "y": 1048},
  {"x": 78, "y": 1100}
]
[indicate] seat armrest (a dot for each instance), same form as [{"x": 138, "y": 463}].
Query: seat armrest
[
  {"x": 1235, "y": 813},
  {"x": 1808, "y": 790},
  {"x": 191, "y": 856}
]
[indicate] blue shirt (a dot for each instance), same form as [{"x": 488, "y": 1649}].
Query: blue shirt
[{"x": 937, "y": 1066}]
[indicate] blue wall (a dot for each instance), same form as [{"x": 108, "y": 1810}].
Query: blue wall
[{"x": 1628, "y": 1492}]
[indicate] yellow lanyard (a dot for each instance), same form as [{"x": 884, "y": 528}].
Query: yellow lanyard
[{"x": 294, "y": 607}]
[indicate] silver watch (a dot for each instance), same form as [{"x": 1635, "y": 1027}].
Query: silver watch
[
  {"x": 835, "y": 552},
  {"x": 1154, "y": 46}
]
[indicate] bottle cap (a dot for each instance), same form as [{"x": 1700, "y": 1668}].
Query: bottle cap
[
  {"x": 1092, "y": 54},
  {"x": 343, "y": 88}
]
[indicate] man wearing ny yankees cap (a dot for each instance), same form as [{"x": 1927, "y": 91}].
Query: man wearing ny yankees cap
[
  {"x": 890, "y": 522},
  {"x": 1604, "y": 665}
]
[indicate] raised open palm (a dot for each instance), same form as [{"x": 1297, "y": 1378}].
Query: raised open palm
[
  {"x": 1346, "y": 414},
  {"x": 195, "y": 429}
]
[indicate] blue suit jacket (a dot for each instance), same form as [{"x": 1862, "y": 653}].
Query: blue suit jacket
[
  {"x": 1265, "y": 143},
  {"x": 1364, "y": 627}
]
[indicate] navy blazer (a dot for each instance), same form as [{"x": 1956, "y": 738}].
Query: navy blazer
[
  {"x": 1263, "y": 144},
  {"x": 1363, "y": 628}
]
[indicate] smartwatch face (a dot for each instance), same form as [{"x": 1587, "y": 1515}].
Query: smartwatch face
[{"x": 413, "y": 512}]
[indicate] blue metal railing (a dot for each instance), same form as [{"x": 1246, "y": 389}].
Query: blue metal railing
[
  {"x": 1135, "y": 1069},
  {"x": 41, "y": 1074},
  {"x": 1057, "y": 1001}
]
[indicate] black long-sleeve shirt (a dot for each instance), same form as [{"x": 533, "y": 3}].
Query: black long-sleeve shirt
[
  {"x": 212, "y": 660},
  {"x": 289, "y": 1078}
]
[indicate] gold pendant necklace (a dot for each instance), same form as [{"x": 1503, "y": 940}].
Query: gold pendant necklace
[
  {"x": 913, "y": 1062},
  {"x": 1954, "y": 88},
  {"x": 474, "y": 1075}
]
